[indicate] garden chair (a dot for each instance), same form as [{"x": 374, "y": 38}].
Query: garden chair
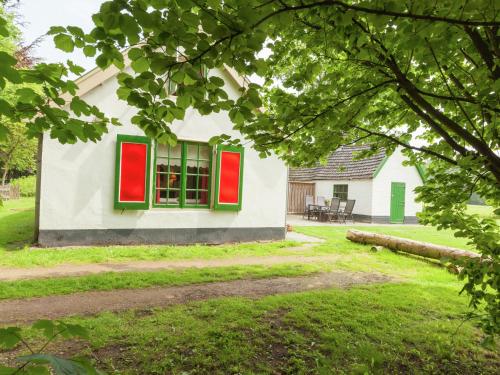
[
  {"x": 346, "y": 214},
  {"x": 320, "y": 201},
  {"x": 308, "y": 207},
  {"x": 333, "y": 210}
]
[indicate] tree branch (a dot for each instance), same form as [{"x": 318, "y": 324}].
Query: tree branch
[{"x": 405, "y": 145}]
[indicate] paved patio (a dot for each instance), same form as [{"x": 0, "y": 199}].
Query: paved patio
[{"x": 297, "y": 220}]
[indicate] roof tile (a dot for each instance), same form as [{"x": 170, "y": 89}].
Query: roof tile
[{"x": 341, "y": 165}]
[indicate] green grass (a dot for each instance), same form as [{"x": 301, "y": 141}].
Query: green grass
[
  {"x": 16, "y": 230},
  {"x": 482, "y": 211},
  {"x": 16, "y": 233},
  {"x": 336, "y": 235},
  {"x": 412, "y": 325},
  {"x": 392, "y": 328},
  {"x": 16, "y": 224},
  {"x": 82, "y": 255},
  {"x": 345, "y": 256},
  {"x": 135, "y": 280}
]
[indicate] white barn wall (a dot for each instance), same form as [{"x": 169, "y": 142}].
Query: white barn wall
[
  {"x": 77, "y": 181},
  {"x": 394, "y": 171},
  {"x": 360, "y": 190}
]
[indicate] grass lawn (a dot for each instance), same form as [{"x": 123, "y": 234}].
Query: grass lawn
[
  {"x": 17, "y": 219},
  {"x": 16, "y": 231},
  {"x": 482, "y": 211},
  {"x": 393, "y": 328},
  {"x": 412, "y": 325}
]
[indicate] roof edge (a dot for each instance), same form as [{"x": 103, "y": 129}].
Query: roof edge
[
  {"x": 380, "y": 166},
  {"x": 96, "y": 76}
]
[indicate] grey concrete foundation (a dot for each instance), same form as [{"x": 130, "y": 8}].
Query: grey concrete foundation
[
  {"x": 182, "y": 236},
  {"x": 383, "y": 219}
]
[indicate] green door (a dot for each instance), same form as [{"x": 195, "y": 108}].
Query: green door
[{"x": 397, "y": 202}]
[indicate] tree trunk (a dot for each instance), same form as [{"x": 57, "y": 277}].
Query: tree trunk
[
  {"x": 4, "y": 175},
  {"x": 424, "y": 249}
]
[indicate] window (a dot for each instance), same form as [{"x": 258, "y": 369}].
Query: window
[
  {"x": 132, "y": 172},
  {"x": 174, "y": 87},
  {"x": 229, "y": 178},
  {"x": 340, "y": 191},
  {"x": 182, "y": 175}
]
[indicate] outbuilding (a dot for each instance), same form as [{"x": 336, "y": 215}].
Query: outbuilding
[
  {"x": 381, "y": 185},
  {"x": 129, "y": 189}
]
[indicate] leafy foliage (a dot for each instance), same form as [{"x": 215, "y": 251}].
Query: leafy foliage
[
  {"x": 336, "y": 73},
  {"x": 17, "y": 151},
  {"x": 39, "y": 94},
  {"x": 27, "y": 185},
  {"x": 39, "y": 363}
]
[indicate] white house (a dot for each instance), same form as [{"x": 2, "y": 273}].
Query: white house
[
  {"x": 381, "y": 185},
  {"x": 128, "y": 189}
]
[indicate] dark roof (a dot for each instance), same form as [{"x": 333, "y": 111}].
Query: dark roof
[{"x": 341, "y": 166}]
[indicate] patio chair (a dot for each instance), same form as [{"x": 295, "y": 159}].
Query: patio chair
[
  {"x": 346, "y": 214},
  {"x": 320, "y": 201},
  {"x": 320, "y": 208},
  {"x": 308, "y": 206},
  {"x": 333, "y": 210}
]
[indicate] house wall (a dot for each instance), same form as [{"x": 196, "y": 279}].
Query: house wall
[
  {"x": 394, "y": 171},
  {"x": 77, "y": 187},
  {"x": 360, "y": 190}
]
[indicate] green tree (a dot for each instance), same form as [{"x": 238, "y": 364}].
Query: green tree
[
  {"x": 17, "y": 152},
  {"x": 36, "y": 95},
  {"x": 386, "y": 73}
]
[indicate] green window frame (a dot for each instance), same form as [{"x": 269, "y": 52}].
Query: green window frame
[
  {"x": 194, "y": 179},
  {"x": 341, "y": 191}
]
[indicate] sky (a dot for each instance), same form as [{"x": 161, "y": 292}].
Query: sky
[{"x": 39, "y": 15}]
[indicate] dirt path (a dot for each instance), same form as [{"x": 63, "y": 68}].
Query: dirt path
[
  {"x": 88, "y": 303},
  {"x": 65, "y": 270}
]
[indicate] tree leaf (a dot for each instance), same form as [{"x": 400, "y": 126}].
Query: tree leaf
[
  {"x": 64, "y": 42},
  {"x": 60, "y": 366}
]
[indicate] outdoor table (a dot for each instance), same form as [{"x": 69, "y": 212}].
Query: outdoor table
[{"x": 323, "y": 213}]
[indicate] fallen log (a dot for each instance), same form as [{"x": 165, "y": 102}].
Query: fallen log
[{"x": 423, "y": 249}]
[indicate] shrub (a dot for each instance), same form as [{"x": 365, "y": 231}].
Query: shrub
[{"x": 27, "y": 185}]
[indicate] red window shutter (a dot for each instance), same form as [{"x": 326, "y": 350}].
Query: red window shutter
[
  {"x": 132, "y": 172},
  {"x": 229, "y": 178}
]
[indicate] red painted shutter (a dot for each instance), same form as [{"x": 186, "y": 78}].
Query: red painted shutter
[
  {"x": 229, "y": 178},
  {"x": 132, "y": 172}
]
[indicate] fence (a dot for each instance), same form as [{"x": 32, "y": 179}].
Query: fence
[{"x": 10, "y": 192}]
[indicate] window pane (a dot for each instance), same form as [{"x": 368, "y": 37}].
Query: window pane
[
  {"x": 161, "y": 196},
  {"x": 340, "y": 191},
  {"x": 175, "y": 152},
  {"x": 203, "y": 167},
  {"x": 191, "y": 196},
  {"x": 173, "y": 196},
  {"x": 203, "y": 182},
  {"x": 204, "y": 152},
  {"x": 191, "y": 166},
  {"x": 203, "y": 197},
  {"x": 175, "y": 166},
  {"x": 191, "y": 182},
  {"x": 162, "y": 151},
  {"x": 174, "y": 181},
  {"x": 192, "y": 151}
]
